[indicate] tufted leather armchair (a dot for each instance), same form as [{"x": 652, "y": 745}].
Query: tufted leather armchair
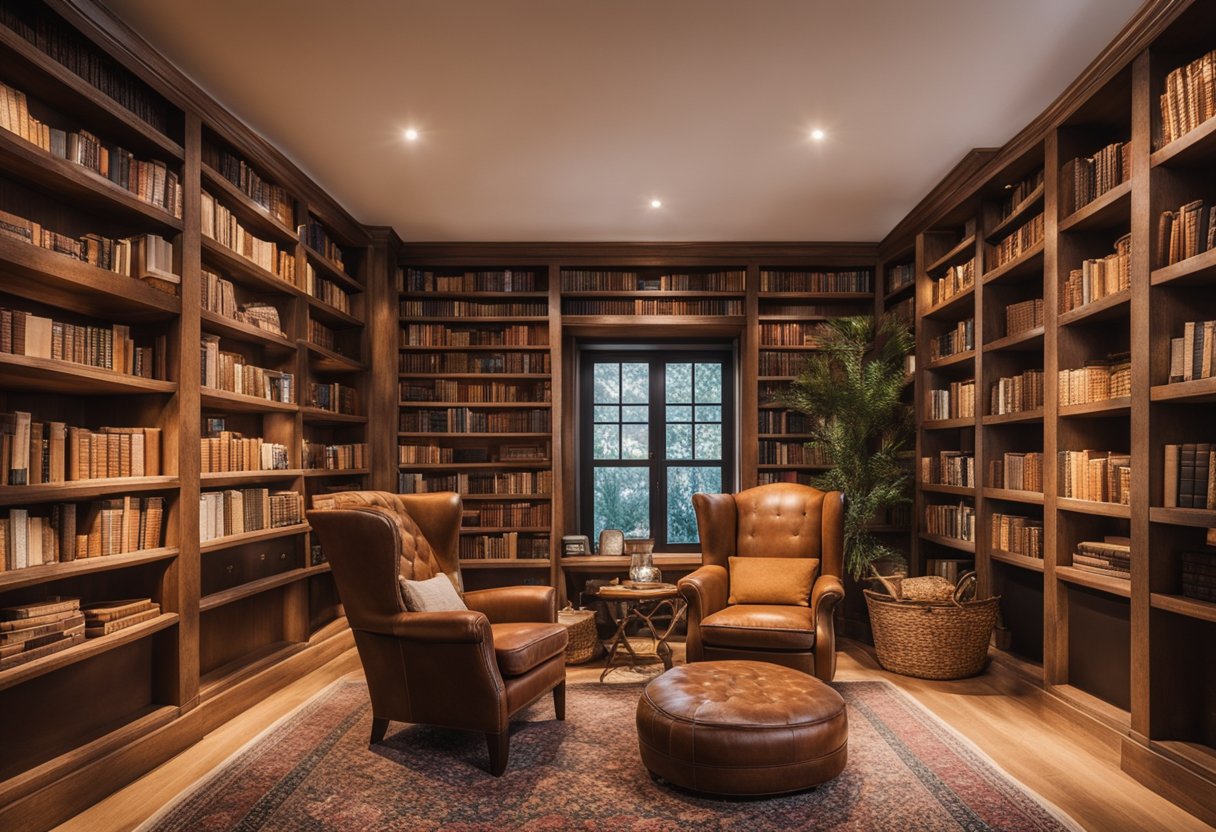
[
  {"x": 781, "y": 520},
  {"x": 470, "y": 669}
]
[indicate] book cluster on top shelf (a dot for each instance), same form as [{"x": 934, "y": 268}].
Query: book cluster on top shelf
[
  {"x": 1098, "y": 381},
  {"x": 1191, "y": 356},
  {"x": 506, "y": 280},
  {"x": 274, "y": 198},
  {"x": 1189, "y": 99},
  {"x": 899, "y": 276},
  {"x": 64, "y": 532},
  {"x": 955, "y": 280},
  {"x": 314, "y": 235},
  {"x": 817, "y": 282},
  {"x": 1098, "y": 278},
  {"x": 1098, "y": 476},
  {"x": 1084, "y": 179},
  {"x": 1189, "y": 476}
]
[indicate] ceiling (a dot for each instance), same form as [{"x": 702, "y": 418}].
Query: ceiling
[{"x": 560, "y": 120}]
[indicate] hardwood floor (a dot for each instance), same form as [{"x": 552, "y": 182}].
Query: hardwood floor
[{"x": 1021, "y": 728}]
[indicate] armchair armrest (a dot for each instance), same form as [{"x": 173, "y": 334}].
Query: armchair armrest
[
  {"x": 453, "y": 627},
  {"x": 825, "y": 594},
  {"x": 515, "y": 604},
  {"x": 705, "y": 591}
]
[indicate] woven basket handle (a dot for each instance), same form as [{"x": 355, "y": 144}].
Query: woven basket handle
[{"x": 965, "y": 589}]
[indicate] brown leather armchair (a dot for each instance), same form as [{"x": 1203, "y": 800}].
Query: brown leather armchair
[
  {"x": 470, "y": 669},
  {"x": 781, "y": 520}
]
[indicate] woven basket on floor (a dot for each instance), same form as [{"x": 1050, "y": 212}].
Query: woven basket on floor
[
  {"x": 931, "y": 640},
  {"x": 584, "y": 644}
]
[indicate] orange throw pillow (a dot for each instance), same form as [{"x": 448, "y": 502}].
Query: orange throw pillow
[{"x": 785, "y": 581}]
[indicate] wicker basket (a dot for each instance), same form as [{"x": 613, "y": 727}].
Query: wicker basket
[
  {"x": 931, "y": 641},
  {"x": 584, "y": 642}
]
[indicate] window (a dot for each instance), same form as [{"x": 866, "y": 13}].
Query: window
[{"x": 655, "y": 429}]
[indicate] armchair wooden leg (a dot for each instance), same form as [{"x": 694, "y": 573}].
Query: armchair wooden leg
[
  {"x": 500, "y": 746},
  {"x": 559, "y": 700},
  {"x": 379, "y": 728}
]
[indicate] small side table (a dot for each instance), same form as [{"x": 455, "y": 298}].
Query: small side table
[{"x": 643, "y": 603}]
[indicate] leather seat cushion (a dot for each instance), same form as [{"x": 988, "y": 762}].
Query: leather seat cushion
[
  {"x": 760, "y": 627},
  {"x": 742, "y": 727},
  {"x": 520, "y": 647}
]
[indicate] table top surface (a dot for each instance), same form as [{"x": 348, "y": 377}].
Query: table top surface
[{"x": 628, "y": 590}]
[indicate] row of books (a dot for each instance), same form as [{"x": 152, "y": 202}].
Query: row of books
[
  {"x": 333, "y": 397},
  {"x": 955, "y": 402},
  {"x": 420, "y": 280},
  {"x": 228, "y": 371},
  {"x": 1084, "y": 179},
  {"x": 1017, "y": 471},
  {"x": 1017, "y": 535},
  {"x": 426, "y": 454},
  {"x": 229, "y": 451},
  {"x": 1189, "y": 475},
  {"x": 1011, "y": 247},
  {"x": 506, "y": 546},
  {"x": 321, "y": 335},
  {"x": 1102, "y": 476},
  {"x": 438, "y": 335},
  {"x": 237, "y": 511},
  {"x": 218, "y": 295},
  {"x": 853, "y": 282},
  {"x": 1189, "y": 98},
  {"x": 948, "y": 468},
  {"x": 221, "y": 225},
  {"x": 148, "y": 181},
  {"x": 1191, "y": 356},
  {"x": 274, "y": 198},
  {"x": 1018, "y": 193},
  {"x": 959, "y": 339},
  {"x": 954, "y": 521},
  {"x": 498, "y": 515},
  {"x": 783, "y": 421},
  {"x": 1023, "y": 317},
  {"x": 105, "y": 347},
  {"x": 508, "y": 484},
  {"x": 587, "y": 280},
  {"x": 1110, "y": 556},
  {"x": 1098, "y": 278},
  {"x": 66, "y": 532},
  {"x": 314, "y": 235},
  {"x": 651, "y": 306},
  {"x": 319, "y": 456},
  {"x": 791, "y": 334},
  {"x": 773, "y": 452},
  {"x": 472, "y": 309},
  {"x": 34, "y": 630},
  {"x": 781, "y": 363},
  {"x": 441, "y": 390},
  {"x": 465, "y": 420},
  {"x": 1185, "y": 232},
  {"x": 484, "y": 363},
  {"x": 325, "y": 290},
  {"x": 1016, "y": 394},
  {"x": 955, "y": 280},
  {"x": 899, "y": 276},
  {"x": 1098, "y": 381},
  {"x": 35, "y": 453},
  {"x": 1199, "y": 575}
]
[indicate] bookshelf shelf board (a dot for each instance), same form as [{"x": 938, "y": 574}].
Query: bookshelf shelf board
[
  {"x": 245, "y": 272},
  {"x": 725, "y": 321},
  {"x": 329, "y": 270},
  {"x": 330, "y": 473},
  {"x": 843, "y": 297},
  {"x": 87, "y": 649},
  {"x": 471, "y": 319},
  {"x": 963, "y": 251},
  {"x": 1111, "y": 210},
  {"x": 1022, "y": 561},
  {"x": 475, "y": 466},
  {"x": 1103, "y": 309},
  {"x": 789, "y": 348},
  {"x": 505, "y": 563},
  {"x": 1196, "y": 147},
  {"x": 802, "y": 436},
  {"x": 953, "y": 307},
  {"x": 799, "y": 318},
  {"x": 793, "y": 467},
  {"x": 17, "y": 578},
  {"x": 236, "y": 593},
  {"x": 1104, "y": 583},
  {"x": 948, "y": 424},
  {"x": 213, "y": 399},
  {"x": 318, "y": 569},
  {"x": 505, "y": 297},
  {"x": 22, "y": 372},
  {"x": 476, "y": 530},
  {"x": 609, "y": 563},
  {"x": 251, "y": 214},
  {"x": 1027, "y": 264},
  {"x": 330, "y": 315},
  {"x": 1094, "y": 507},
  {"x": 19, "y": 495},
  {"x": 216, "y": 324},
  {"x": 967, "y": 546},
  {"x": 240, "y": 478},
  {"x": 657, "y": 293},
  {"x": 474, "y": 435},
  {"x": 960, "y": 490},
  {"x": 67, "y": 283},
  {"x": 1030, "y": 340},
  {"x": 1023, "y": 417},
  {"x": 228, "y": 675},
  {"x": 318, "y": 416},
  {"x": 895, "y": 293},
  {"x": 67, "y": 180},
  {"x": 478, "y": 405},
  {"x": 511, "y": 376},
  {"x": 42, "y": 77},
  {"x": 1182, "y": 605},
  {"x": 1112, "y": 408},
  {"x": 1193, "y": 271},
  {"x": 776, "y": 378},
  {"x": 472, "y": 348},
  {"x": 1024, "y": 208},
  {"x": 1198, "y": 517},
  {"x": 540, "y": 498},
  {"x": 1014, "y": 496},
  {"x": 1112, "y": 715},
  {"x": 232, "y": 540},
  {"x": 1199, "y": 391},
  {"x": 325, "y": 360},
  {"x": 951, "y": 360}
]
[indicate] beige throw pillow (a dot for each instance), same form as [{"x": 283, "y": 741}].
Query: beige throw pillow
[
  {"x": 772, "y": 580},
  {"x": 433, "y": 595}
]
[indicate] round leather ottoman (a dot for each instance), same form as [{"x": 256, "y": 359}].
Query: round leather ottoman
[{"x": 742, "y": 728}]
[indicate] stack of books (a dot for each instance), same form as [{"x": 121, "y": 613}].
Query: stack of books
[
  {"x": 31, "y": 631},
  {"x": 105, "y": 617},
  {"x": 1110, "y": 556}
]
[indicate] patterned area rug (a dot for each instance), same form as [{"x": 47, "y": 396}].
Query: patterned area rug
[{"x": 316, "y": 771}]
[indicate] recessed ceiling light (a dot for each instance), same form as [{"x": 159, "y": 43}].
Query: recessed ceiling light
[
  {"x": 817, "y": 135},
  {"x": 411, "y": 135},
  {"x": 656, "y": 203}
]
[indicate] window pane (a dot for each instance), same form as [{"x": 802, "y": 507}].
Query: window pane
[
  {"x": 709, "y": 441},
  {"x": 709, "y": 383},
  {"x": 607, "y": 442},
  {"x": 679, "y": 383},
  {"x": 679, "y": 441},
  {"x": 635, "y": 413},
  {"x": 607, "y": 413},
  {"x": 679, "y": 413},
  {"x": 682, "y": 483},
  {"x": 635, "y": 383},
  {"x": 622, "y": 501},
  {"x": 635, "y": 441},
  {"x": 711, "y": 413},
  {"x": 608, "y": 383}
]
